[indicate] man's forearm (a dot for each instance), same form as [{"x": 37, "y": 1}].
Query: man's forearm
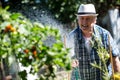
[{"x": 116, "y": 64}]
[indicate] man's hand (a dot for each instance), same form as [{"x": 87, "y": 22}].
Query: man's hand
[
  {"x": 74, "y": 63},
  {"x": 9, "y": 77},
  {"x": 116, "y": 64}
]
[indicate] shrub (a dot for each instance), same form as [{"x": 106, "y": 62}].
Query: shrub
[{"x": 30, "y": 43}]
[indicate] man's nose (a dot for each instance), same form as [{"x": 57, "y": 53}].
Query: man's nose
[{"x": 84, "y": 22}]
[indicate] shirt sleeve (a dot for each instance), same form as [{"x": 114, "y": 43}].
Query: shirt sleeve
[
  {"x": 70, "y": 44},
  {"x": 113, "y": 45}
]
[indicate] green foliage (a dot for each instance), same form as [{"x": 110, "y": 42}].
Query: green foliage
[
  {"x": 103, "y": 56},
  {"x": 23, "y": 74},
  {"x": 28, "y": 42},
  {"x": 65, "y": 10}
]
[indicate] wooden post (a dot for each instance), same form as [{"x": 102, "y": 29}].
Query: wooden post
[
  {"x": 111, "y": 59},
  {"x": 2, "y": 69},
  {"x": 65, "y": 47}
]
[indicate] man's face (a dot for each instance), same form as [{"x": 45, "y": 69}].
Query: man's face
[{"x": 86, "y": 23}]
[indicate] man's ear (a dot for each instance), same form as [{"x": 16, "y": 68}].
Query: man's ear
[{"x": 95, "y": 20}]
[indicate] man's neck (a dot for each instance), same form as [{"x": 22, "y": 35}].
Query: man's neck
[{"x": 87, "y": 35}]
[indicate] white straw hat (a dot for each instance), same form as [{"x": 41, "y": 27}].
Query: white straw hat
[{"x": 86, "y": 10}]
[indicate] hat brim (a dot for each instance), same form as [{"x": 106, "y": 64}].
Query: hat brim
[{"x": 86, "y": 14}]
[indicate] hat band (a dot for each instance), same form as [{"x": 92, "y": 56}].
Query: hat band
[{"x": 81, "y": 13}]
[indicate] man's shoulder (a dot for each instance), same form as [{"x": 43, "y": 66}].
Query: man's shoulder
[
  {"x": 101, "y": 29},
  {"x": 73, "y": 32}
]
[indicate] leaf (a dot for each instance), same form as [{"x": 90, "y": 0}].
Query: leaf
[
  {"x": 7, "y": 7},
  {"x": 23, "y": 74},
  {"x": 96, "y": 66},
  {"x": 15, "y": 16}
]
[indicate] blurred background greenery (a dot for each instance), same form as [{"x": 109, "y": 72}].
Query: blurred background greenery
[{"x": 65, "y": 10}]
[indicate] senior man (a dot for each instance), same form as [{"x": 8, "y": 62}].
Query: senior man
[{"x": 86, "y": 53}]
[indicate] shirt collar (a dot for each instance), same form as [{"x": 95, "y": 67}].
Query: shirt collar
[
  {"x": 96, "y": 32},
  {"x": 80, "y": 36}
]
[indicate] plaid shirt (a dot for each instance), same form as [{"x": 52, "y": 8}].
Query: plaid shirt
[{"x": 76, "y": 41}]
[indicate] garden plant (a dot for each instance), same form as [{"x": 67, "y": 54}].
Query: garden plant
[{"x": 29, "y": 43}]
